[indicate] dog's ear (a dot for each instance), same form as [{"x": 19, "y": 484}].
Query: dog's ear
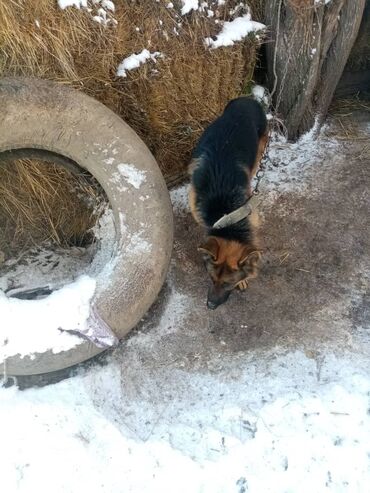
[
  {"x": 210, "y": 248},
  {"x": 250, "y": 258}
]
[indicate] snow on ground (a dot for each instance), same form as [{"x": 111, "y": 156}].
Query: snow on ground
[
  {"x": 180, "y": 199},
  {"x": 234, "y": 31},
  {"x": 61, "y": 278},
  {"x": 135, "y": 60},
  {"x": 31, "y": 326},
  {"x": 44, "y": 266},
  {"x": 284, "y": 425},
  {"x": 261, "y": 421},
  {"x": 291, "y": 166}
]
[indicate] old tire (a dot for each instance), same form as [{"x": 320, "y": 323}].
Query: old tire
[{"x": 37, "y": 114}]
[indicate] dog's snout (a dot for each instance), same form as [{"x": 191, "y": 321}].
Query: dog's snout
[
  {"x": 216, "y": 296},
  {"x": 211, "y": 305}
]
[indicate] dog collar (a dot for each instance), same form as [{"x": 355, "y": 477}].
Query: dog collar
[{"x": 235, "y": 216}]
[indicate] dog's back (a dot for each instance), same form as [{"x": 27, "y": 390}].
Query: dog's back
[{"x": 224, "y": 159}]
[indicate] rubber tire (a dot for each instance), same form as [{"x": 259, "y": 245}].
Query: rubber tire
[{"x": 38, "y": 114}]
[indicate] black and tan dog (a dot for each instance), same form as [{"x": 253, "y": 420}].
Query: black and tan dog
[{"x": 223, "y": 164}]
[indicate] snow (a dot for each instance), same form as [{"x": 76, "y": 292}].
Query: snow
[
  {"x": 108, "y": 5},
  {"x": 291, "y": 165},
  {"x": 73, "y": 275},
  {"x": 45, "y": 265},
  {"x": 260, "y": 93},
  {"x": 63, "y": 4},
  {"x": 35, "y": 326},
  {"x": 188, "y": 6},
  {"x": 235, "y": 30},
  {"x": 204, "y": 418},
  {"x": 180, "y": 199},
  {"x": 104, "y": 259},
  {"x": 101, "y": 11},
  {"x": 138, "y": 245},
  {"x": 132, "y": 175},
  {"x": 277, "y": 427},
  {"x": 135, "y": 60},
  {"x": 116, "y": 178}
]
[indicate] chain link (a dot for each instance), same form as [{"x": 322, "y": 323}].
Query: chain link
[{"x": 262, "y": 169}]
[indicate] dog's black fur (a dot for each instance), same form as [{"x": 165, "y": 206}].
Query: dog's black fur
[{"x": 226, "y": 153}]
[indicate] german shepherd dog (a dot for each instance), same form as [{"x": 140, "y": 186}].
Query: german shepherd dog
[{"x": 223, "y": 164}]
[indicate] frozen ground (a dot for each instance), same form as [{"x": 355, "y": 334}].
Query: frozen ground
[
  {"x": 269, "y": 393},
  {"x": 49, "y": 291}
]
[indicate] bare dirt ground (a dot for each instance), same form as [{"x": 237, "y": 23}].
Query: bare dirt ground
[
  {"x": 313, "y": 288},
  {"x": 312, "y": 292}
]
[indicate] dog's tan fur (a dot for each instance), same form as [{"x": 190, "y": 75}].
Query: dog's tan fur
[
  {"x": 262, "y": 144},
  {"x": 192, "y": 195},
  {"x": 193, "y": 206},
  {"x": 230, "y": 261}
]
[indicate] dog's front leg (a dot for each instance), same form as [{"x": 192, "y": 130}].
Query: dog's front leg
[{"x": 243, "y": 285}]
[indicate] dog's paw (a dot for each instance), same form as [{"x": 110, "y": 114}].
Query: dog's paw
[{"x": 243, "y": 285}]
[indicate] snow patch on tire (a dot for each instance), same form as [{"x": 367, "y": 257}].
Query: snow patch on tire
[{"x": 35, "y": 326}]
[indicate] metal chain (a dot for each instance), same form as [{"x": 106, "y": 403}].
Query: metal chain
[{"x": 262, "y": 169}]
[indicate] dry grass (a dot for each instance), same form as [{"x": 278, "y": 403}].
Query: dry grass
[
  {"x": 347, "y": 130},
  {"x": 347, "y": 106},
  {"x": 41, "y": 202},
  {"x": 342, "y": 111},
  {"x": 168, "y": 108},
  {"x": 168, "y": 103}
]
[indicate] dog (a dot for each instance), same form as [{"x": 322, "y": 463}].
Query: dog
[{"x": 224, "y": 161}]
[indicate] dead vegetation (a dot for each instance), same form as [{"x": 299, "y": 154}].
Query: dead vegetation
[
  {"x": 43, "y": 203},
  {"x": 342, "y": 111},
  {"x": 168, "y": 103}
]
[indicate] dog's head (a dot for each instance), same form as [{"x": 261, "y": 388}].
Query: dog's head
[{"x": 228, "y": 263}]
